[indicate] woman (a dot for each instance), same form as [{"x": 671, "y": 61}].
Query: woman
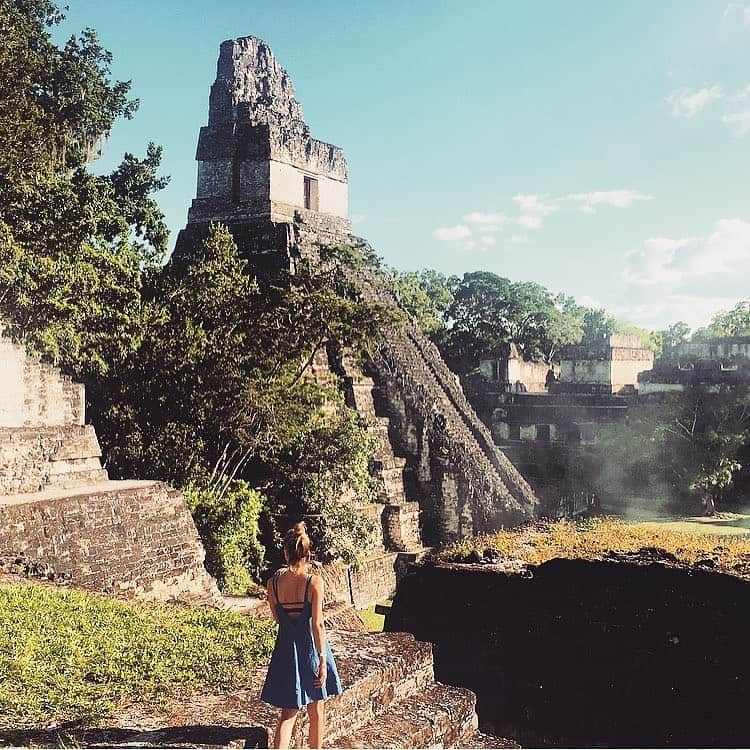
[{"x": 302, "y": 670}]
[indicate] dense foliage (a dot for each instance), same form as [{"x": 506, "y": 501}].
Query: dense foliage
[
  {"x": 228, "y": 520},
  {"x": 219, "y": 390},
  {"x": 73, "y": 246},
  {"x": 70, "y": 656}
]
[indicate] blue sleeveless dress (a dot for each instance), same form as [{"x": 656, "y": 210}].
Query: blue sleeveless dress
[{"x": 290, "y": 682}]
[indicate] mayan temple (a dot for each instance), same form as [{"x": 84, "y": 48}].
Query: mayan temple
[{"x": 283, "y": 194}]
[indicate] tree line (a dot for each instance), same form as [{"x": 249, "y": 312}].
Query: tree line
[{"x": 474, "y": 317}]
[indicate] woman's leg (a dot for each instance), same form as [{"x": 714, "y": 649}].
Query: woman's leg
[
  {"x": 285, "y": 726},
  {"x": 317, "y": 713}
]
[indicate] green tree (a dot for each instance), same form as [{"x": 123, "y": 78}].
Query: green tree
[
  {"x": 427, "y": 296},
  {"x": 673, "y": 338},
  {"x": 73, "y": 246},
  {"x": 598, "y": 325},
  {"x": 734, "y": 322},
  {"x": 489, "y": 311},
  {"x": 693, "y": 443}
]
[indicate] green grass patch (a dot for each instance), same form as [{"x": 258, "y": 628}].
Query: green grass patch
[
  {"x": 537, "y": 543},
  {"x": 70, "y": 656},
  {"x": 373, "y": 621}
]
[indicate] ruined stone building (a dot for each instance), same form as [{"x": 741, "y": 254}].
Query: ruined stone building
[
  {"x": 283, "y": 194},
  {"x": 711, "y": 364},
  {"x": 61, "y": 516}
]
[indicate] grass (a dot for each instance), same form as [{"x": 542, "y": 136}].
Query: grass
[
  {"x": 540, "y": 542},
  {"x": 70, "y": 656},
  {"x": 373, "y": 621}
]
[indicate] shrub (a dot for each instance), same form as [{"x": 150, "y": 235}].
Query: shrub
[{"x": 227, "y": 522}]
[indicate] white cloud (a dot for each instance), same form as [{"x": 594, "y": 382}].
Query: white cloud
[
  {"x": 746, "y": 16},
  {"x": 687, "y": 103},
  {"x": 451, "y": 234},
  {"x": 741, "y": 96},
  {"x": 533, "y": 209},
  {"x": 687, "y": 278},
  {"x": 738, "y": 123},
  {"x": 487, "y": 240},
  {"x": 615, "y": 198},
  {"x": 494, "y": 219},
  {"x": 519, "y": 239},
  {"x": 697, "y": 262},
  {"x": 489, "y": 228},
  {"x": 470, "y": 245}
]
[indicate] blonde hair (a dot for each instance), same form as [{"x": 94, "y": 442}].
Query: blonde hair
[{"x": 297, "y": 544}]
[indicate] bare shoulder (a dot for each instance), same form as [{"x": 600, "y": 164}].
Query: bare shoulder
[{"x": 316, "y": 582}]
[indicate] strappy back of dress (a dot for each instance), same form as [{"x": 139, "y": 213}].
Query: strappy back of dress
[{"x": 293, "y": 610}]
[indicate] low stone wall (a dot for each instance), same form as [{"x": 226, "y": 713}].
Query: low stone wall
[
  {"x": 589, "y": 653},
  {"x": 32, "y": 458},
  {"x": 128, "y": 538},
  {"x": 374, "y": 580}
]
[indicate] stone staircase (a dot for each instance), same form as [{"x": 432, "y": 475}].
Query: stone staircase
[
  {"x": 399, "y": 517},
  {"x": 422, "y": 395},
  {"x": 390, "y": 700}
]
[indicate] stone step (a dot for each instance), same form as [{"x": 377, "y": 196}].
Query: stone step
[
  {"x": 68, "y": 480},
  {"x": 439, "y": 716},
  {"x": 480, "y": 740},
  {"x": 379, "y": 671}
]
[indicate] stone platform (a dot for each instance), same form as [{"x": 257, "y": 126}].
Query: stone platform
[
  {"x": 132, "y": 538},
  {"x": 390, "y": 700}
]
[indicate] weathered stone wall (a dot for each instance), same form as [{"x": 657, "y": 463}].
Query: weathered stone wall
[
  {"x": 32, "y": 458},
  {"x": 287, "y": 192},
  {"x": 589, "y": 653},
  {"x": 130, "y": 538},
  {"x": 256, "y": 150},
  {"x": 33, "y": 392}
]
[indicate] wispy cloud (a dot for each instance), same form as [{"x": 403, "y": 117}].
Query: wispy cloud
[
  {"x": 686, "y": 278},
  {"x": 687, "y": 103},
  {"x": 738, "y": 123},
  {"x": 534, "y": 209},
  {"x": 670, "y": 263},
  {"x": 615, "y": 198},
  {"x": 451, "y": 234}
]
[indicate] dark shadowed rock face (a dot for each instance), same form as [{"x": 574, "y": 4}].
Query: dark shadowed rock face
[{"x": 589, "y": 653}]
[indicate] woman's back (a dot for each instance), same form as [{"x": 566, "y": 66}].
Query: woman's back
[{"x": 292, "y": 591}]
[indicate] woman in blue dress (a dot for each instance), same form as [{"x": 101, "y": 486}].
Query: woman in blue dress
[{"x": 302, "y": 671}]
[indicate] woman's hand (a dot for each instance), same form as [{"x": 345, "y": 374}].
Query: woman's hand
[{"x": 320, "y": 679}]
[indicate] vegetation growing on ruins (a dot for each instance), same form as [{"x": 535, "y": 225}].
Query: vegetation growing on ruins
[
  {"x": 70, "y": 656},
  {"x": 538, "y": 543}
]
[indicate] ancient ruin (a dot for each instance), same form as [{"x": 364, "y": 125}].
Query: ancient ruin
[
  {"x": 63, "y": 519},
  {"x": 283, "y": 194}
]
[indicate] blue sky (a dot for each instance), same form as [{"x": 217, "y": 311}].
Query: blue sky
[{"x": 599, "y": 148}]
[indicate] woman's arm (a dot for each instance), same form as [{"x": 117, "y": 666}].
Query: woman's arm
[
  {"x": 272, "y": 599},
  {"x": 318, "y": 628}
]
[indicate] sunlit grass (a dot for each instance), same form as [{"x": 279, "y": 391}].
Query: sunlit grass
[
  {"x": 540, "y": 542},
  {"x": 70, "y": 656},
  {"x": 373, "y": 621}
]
